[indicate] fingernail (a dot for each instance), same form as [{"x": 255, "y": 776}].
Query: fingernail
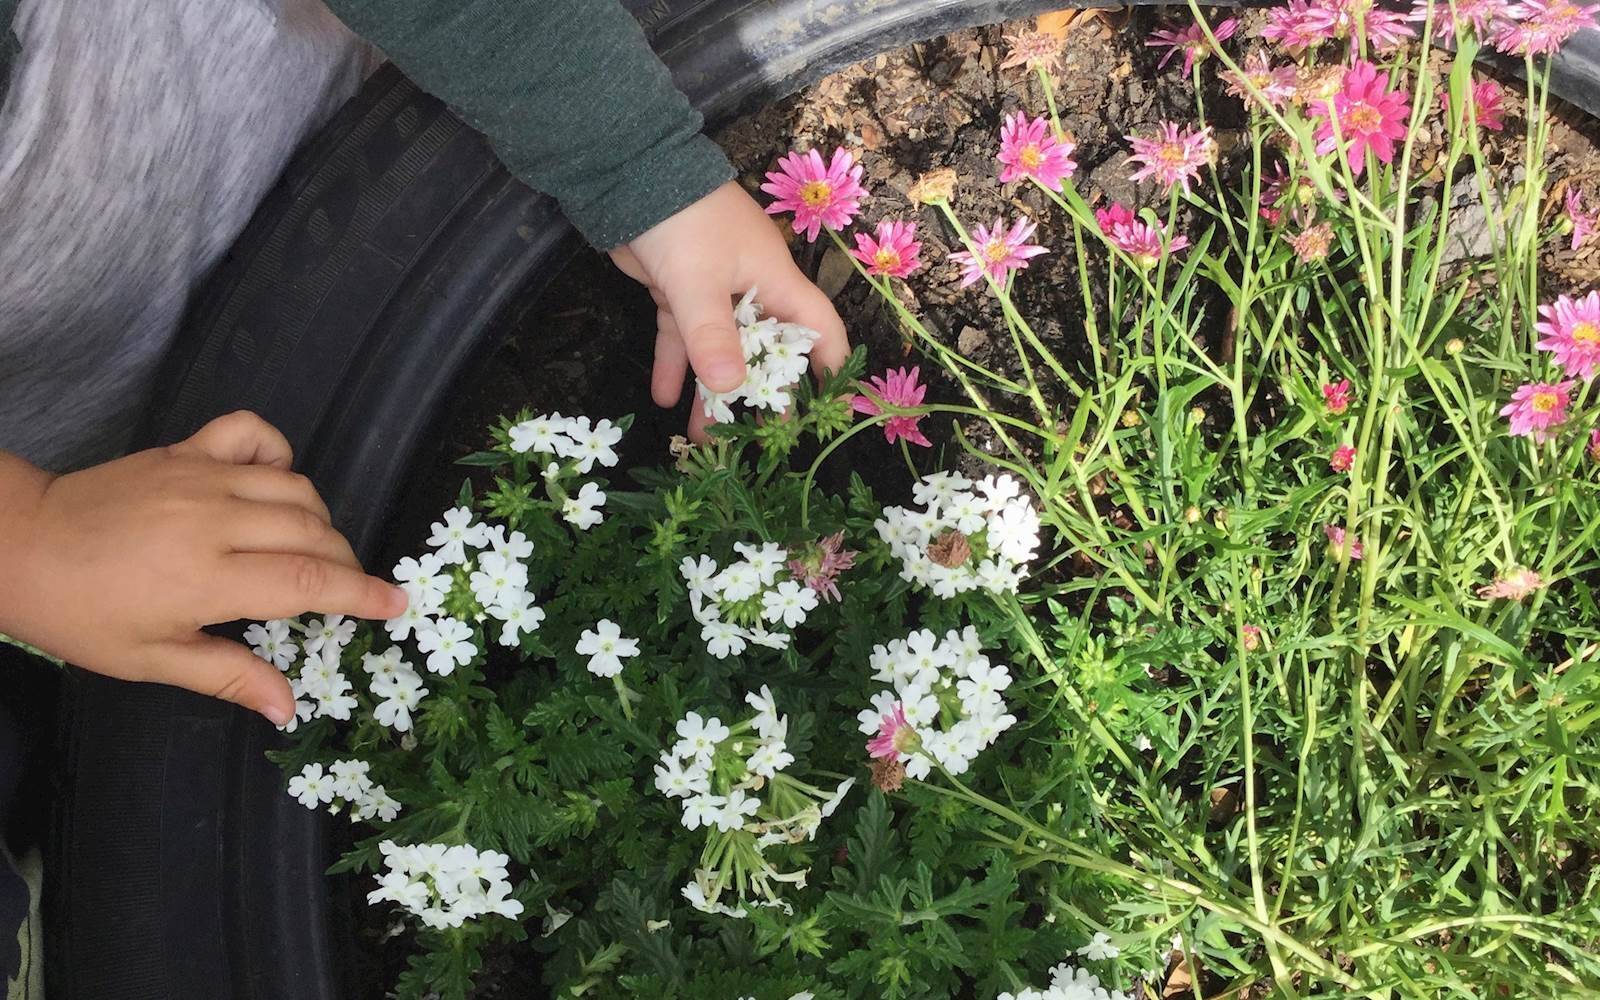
[
  {"x": 724, "y": 376},
  {"x": 277, "y": 715},
  {"x": 399, "y": 599}
]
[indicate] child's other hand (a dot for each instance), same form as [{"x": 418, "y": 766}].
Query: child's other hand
[
  {"x": 695, "y": 263},
  {"x": 117, "y": 568}
]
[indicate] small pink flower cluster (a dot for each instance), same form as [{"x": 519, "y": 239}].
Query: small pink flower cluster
[
  {"x": 1144, "y": 242},
  {"x": 1570, "y": 331}
]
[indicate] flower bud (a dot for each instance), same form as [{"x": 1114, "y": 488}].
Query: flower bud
[
  {"x": 934, "y": 187},
  {"x": 1455, "y": 345},
  {"x": 1192, "y": 515}
]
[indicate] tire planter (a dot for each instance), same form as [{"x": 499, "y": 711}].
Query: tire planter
[{"x": 367, "y": 283}]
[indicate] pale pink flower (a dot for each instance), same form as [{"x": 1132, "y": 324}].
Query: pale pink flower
[
  {"x": 895, "y": 250},
  {"x": 1583, "y": 223},
  {"x": 1343, "y": 458},
  {"x": 1571, "y": 329},
  {"x": 895, "y": 736},
  {"x": 1478, "y": 15},
  {"x": 1386, "y": 30},
  {"x": 1514, "y": 585},
  {"x": 1488, "y": 104},
  {"x": 819, "y": 194},
  {"x": 821, "y": 563},
  {"x": 1594, "y": 445},
  {"x": 1312, "y": 244},
  {"x": 1251, "y": 639},
  {"x": 1033, "y": 49},
  {"x": 1370, "y": 115},
  {"x": 1541, "y": 27},
  {"x": 1275, "y": 84},
  {"x": 1191, "y": 41},
  {"x": 1299, "y": 24},
  {"x": 1336, "y": 541},
  {"x": 1537, "y": 408},
  {"x": 998, "y": 251},
  {"x": 1030, "y": 148},
  {"x": 897, "y": 387},
  {"x": 1174, "y": 157},
  {"x": 1337, "y": 396},
  {"x": 1145, "y": 243}
]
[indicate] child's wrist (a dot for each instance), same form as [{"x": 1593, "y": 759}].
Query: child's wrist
[{"x": 22, "y": 488}]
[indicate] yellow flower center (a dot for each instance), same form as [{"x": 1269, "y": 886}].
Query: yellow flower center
[
  {"x": 1172, "y": 155},
  {"x": 995, "y": 251},
  {"x": 1544, "y": 402},
  {"x": 1586, "y": 333},
  {"x": 1366, "y": 118},
  {"x": 816, "y": 193},
  {"x": 1030, "y": 157},
  {"x": 886, "y": 259}
]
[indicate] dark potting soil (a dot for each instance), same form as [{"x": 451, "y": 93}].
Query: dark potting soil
[{"x": 583, "y": 344}]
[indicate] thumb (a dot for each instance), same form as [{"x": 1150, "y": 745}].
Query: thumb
[
  {"x": 240, "y": 438},
  {"x": 222, "y": 668},
  {"x": 703, "y": 311}
]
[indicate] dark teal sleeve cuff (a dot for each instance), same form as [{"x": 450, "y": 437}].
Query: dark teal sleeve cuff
[{"x": 568, "y": 92}]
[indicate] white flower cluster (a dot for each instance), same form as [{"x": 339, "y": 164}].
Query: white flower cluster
[
  {"x": 1068, "y": 983},
  {"x": 756, "y": 590},
  {"x": 967, "y": 536},
  {"x": 344, "y": 783},
  {"x": 321, "y": 689},
  {"x": 579, "y": 442},
  {"x": 931, "y": 681},
  {"x": 775, "y": 359},
  {"x": 721, "y": 773},
  {"x": 443, "y": 885}
]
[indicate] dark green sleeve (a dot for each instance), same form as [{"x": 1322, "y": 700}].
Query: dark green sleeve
[{"x": 568, "y": 92}]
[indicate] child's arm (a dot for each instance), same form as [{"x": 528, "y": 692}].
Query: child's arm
[
  {"x": 577, "y": 105},
  {"x": 118, "y": 567}
]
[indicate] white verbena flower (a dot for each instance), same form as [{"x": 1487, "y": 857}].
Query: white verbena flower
[
  {"x": 454, "y": 533},
  {"x": 448, "y": 645},
  {"x": 606, "y": 647},
  {"x": 272, "y": 642}
]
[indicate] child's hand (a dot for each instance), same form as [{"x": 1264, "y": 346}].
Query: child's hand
[
  {"x": 116, "y": 568},
  {"x": 694, "y": 264}
]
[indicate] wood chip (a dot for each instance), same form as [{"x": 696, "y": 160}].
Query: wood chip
[{"x": 834, "y": 272}]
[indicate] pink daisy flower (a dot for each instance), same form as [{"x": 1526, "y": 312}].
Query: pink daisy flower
[
  {"x": 1513, "y": 586},
  {"x": 1583, "y": 223},
  {"x": 1337, "y": 396},
  {"x": 1343, "y": 458},
  {"x": 1174, "y": 157},
  {"x": 1191, "y": 41},
  {"x": 897, "y": 387},
  {"x": 1386, "y": 29},
  {"x": 1488, "y": 105},
  {"x": 1145, "y": 243},
  {"x": 1478, "y": 15},
  {"x": 999, "y": 251},
  {"x": 1299, "y": 25},
  {"x": 1537, "y": 408},
  {"x": 1571, "y": 329},
  {"x": 819, "y": 194},
  {"x": 1276, "y": 84},
  {"x": 895, "y": 736},
  {"x": 821, "y": 564},
  {"x": 1541, "y": 27},
  {"x": 1336, "y": 541},
  {"x": 895, "y": 250},
  {"x": 1370, "y": 116},
  {"x": 1251, "y": 638},
  {"x": 1594, "y": 445},
  {"x": 1030, "y": 148}
]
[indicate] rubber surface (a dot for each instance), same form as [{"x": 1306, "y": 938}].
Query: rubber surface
[{"x": 365, "y": 284}]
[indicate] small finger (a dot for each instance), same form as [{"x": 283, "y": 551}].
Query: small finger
[
  {"x": 792, "y": 298},
  {"x": 221, "y": 668},
  {"x": 671, "y": 364},
  {"x": 703, "y": 309},
  {"x": 698, "y": 422},
  {"x": 286, "y": 529},
  {"x": 263, "y": 585},
  {"x": 240, "y": 438},
  {"x": 265, "y": 484}
]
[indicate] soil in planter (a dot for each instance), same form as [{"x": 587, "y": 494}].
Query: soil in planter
[{"x": 584, "y": 344}]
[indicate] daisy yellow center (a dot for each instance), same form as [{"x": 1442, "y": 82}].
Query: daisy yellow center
[
  {"x": 995, "y": 251},
  {"x": 1030, "y": 157},
  {"x": 815, "y": 193},
  {"x": 1586, "y": 333},
  {"x": 1172, "y": 155},
  {"x": 886, "y": 259},
  {"x": 1545, "y": 402},
  {"x": 1366, "y": 118}
]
